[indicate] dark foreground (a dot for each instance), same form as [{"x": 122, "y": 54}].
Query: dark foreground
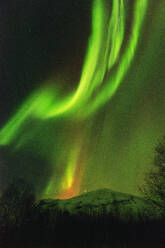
[
  {"x": 97, "y": 220},
  {"x": 84, "y": 232}
]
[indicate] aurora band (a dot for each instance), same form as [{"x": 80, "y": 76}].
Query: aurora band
[
  {"x": 97, "y": 85},
  {"x": 107, "y": 60}
]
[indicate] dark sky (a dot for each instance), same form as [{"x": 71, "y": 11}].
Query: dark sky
[{"x": 39, "y": 39}]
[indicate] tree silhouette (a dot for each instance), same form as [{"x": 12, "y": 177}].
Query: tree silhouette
[
  {"x": 154, "y": 187},
  {"x": 16, "y": 203}
]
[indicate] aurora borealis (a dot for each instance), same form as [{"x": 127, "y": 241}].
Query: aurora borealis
[{"x": 101, "y": 133}]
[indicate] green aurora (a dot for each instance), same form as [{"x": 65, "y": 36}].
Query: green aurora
[{"x": 103, "y": 141}]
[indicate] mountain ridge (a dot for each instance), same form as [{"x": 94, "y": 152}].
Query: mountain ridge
[{"x": 105, "y": 201}]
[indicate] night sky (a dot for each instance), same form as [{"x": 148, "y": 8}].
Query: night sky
[
  {"x": 44, "y": 45},
  {"x": 40, "y": 39}
]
